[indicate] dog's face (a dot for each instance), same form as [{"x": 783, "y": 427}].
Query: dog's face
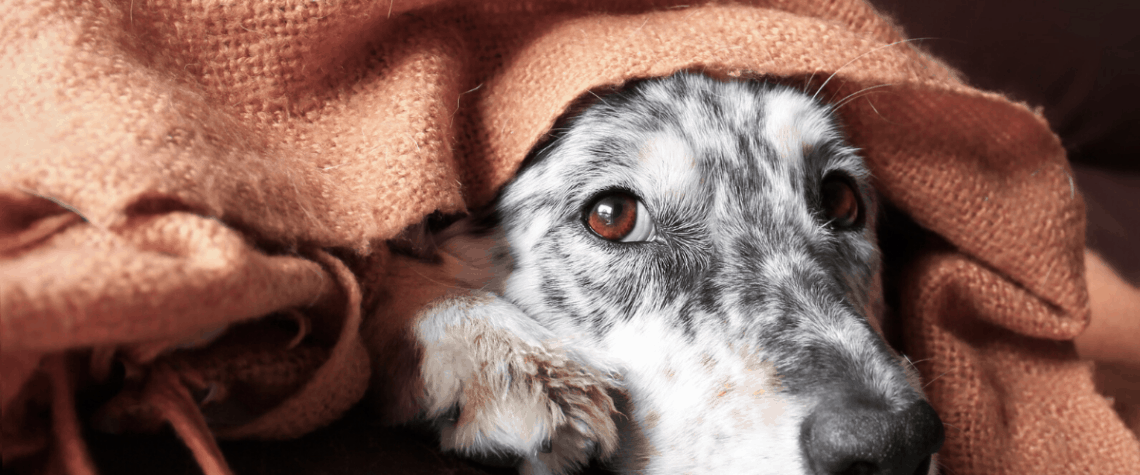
[{"x": 713, "y": 241}]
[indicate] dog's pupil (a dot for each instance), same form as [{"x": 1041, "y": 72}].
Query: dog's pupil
[
  {"x": 610, "y": 210},
  {"x": 613, "y": 216}
]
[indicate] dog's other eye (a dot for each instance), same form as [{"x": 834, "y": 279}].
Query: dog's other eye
[
  {"x": 841, "y": 203},
  {"x": 620, "y": 217}
]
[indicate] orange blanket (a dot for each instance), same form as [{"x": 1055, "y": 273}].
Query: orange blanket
[{"x": 171, "y": 168}]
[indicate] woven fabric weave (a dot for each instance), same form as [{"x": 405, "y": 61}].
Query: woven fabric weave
[{"x": 170, "y": 168}]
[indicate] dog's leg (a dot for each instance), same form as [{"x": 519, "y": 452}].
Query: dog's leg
[{"x": 496, "y": 383}]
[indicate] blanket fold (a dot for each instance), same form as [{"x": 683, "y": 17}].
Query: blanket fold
[{"x": 171, "y": 171}]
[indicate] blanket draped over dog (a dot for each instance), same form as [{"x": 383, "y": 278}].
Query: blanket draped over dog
[{"x": 173, "y": 168}]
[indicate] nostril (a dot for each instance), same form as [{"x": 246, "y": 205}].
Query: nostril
[
  {"x": 852, "y": 437},
  {"x": 924, "y": 467},
  {"x": 867, "y": 468},
  {"x": 860, "y": 468}
]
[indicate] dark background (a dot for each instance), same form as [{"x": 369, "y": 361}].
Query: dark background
[{"x": 1080, "y": 61}]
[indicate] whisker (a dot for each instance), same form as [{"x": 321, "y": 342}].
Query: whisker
[
  {"x": 933, "y": 380},
  {"x": 548, "y": 146},
  {"x": 914, "y": 364},
  {"x": 809, "y": 79},
  {"x": 599, "y": 98},
  {"x": 444, "y": 284},
  {"x": 880, "y": 114},
  {"x": 821, "y": 86},
  {"x": 852, "y": 96},
  {"x": 952, "y": 427}
]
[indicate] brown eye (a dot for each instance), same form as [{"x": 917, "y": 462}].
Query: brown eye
[
  {"x": 841, "y": 203},
  {"x": 620, "y": 217}
]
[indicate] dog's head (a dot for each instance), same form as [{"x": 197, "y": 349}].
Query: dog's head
[{"x": 714, "y": 241}]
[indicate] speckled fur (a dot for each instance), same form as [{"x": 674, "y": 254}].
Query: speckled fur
[{"x": 715, "y": 338}]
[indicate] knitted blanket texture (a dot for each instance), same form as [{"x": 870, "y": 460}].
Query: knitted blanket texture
[{"x": 170, "y": 169}]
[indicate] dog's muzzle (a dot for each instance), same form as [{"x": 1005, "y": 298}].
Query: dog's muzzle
[{"x": 850, "y": 435}]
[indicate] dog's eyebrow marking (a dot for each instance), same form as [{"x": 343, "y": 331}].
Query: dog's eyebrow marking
[
  {"x": 793, "y": 121},
  {"x": 666, "y": 163}
]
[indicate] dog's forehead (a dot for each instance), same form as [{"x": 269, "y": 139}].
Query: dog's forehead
[{"x": 693, "y": 134}]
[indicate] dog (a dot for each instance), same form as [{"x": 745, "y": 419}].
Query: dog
[{"x": 685, "y": 279}]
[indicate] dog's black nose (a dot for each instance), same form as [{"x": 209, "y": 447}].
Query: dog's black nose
[{"x": 853, "y": 437}]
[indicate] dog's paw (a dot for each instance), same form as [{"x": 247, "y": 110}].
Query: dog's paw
[{"x": 496, "y": 386}]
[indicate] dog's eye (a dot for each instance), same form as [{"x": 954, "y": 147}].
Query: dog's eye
[
  {"x": 620, "y": 217},
  {"x": 841, "y": 202}
]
